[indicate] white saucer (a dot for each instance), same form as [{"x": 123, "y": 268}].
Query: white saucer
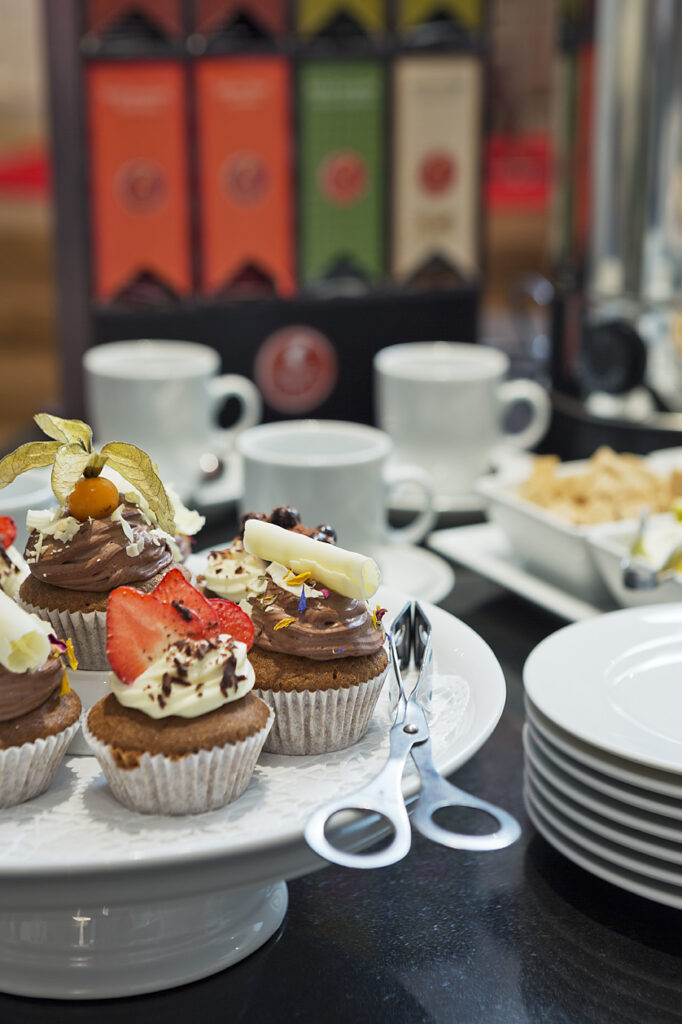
[{"x": 415, "y": 571}]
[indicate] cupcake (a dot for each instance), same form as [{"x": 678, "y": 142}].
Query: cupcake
[
  {"x": 97, "y": 539},
  {"x": 38, "y": 711},
  {"x": 319, "y": 654},
  {"x": 13, "y": 568},
  {"x": 234, "y": 574},
  {"x": 181, "y": 731}
]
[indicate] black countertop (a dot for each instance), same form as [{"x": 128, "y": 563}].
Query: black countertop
[{"x": 519, "y": 935}]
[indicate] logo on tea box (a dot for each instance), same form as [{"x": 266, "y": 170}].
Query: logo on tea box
[
  {"x": 245, "y": 177},
  {"x": 343, "y": 177},
  {"x": 141, "y": 185},
  {"x": 437, "y": 172},
  {"x": 296, "y": 369}
]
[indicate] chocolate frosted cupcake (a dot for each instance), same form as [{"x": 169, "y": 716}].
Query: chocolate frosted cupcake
[
  {"x": 38, "y": 711},
  {"x": 75, "y": 565},
  {"x": 99, "y": 537},
  {"x": 318, "y": 653},
  {"x": 181, "y": 731}
]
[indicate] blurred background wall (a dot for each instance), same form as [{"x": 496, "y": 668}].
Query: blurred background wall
[{"x": 518, "y": 163}]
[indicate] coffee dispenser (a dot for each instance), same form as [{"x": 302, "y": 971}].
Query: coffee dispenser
[{"x": 618, "y": 333}]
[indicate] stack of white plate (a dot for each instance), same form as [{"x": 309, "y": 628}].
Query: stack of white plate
[{"x": 603, "y": 747}]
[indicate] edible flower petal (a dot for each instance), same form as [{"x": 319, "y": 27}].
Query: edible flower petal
[
  {"x": 71, "y": 655},
  {"x": 283, "y": 623}
]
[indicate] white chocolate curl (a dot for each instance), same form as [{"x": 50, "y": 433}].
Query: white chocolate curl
[
  {"x": 24, "y": 645},
  {"x": 344, "y": 572}
]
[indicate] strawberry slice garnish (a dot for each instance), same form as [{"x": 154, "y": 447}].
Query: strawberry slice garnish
[
  {"x": 140, "y": 628},
  {"x": 8, "y": 531},
  {"x": 234, "y": 621},
  {"x": 176, "y": 589}
]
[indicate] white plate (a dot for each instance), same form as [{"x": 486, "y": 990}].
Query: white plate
[
  {"x": 114, "y": 902},
  {"x": 604, "y": 806},
  {"x": 669, "y": 807},
  {"x": 486, "y": 549},
  {"x": 649, "y": 867},
  {"x": 629, "y": 772},
  {"x": 614, "y": 681},
  {"x": 631, "y": 881},
  {"x": 418, "y": 573},
  {"x": 629, "y": 839}
]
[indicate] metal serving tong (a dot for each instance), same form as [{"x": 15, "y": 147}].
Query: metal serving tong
[{"x": 410, "y": 635}]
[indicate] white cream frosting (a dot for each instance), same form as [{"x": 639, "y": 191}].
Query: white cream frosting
[
  {"x": 196, "y": 688},
  {"x": 345, "y": 572},
  {"x": 12, "y": 576},
  {"x": 234, "y": 574},
  {"x": 24, "y": 644}
]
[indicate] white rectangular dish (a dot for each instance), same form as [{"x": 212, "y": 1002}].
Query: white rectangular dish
[
  {"x": 550, "y": 547},
  {"x": 554, "y": 548}
]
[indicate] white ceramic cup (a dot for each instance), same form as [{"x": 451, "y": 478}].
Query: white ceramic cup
[
  {"x": 165, "y": 397},
  {"x": 443, "y": 405},
  {"x": 332, "y": 472}
]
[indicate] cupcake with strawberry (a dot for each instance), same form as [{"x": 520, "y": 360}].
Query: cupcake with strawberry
[
  {"x": 181, "y": 731},
  {"x": 319, "y": 653},
  {"x": 39, "y": 712},
  {"x": 13, "y": 568},
  {"x": 98, "y": 538}
]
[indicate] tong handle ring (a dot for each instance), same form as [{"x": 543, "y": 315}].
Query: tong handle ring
[
  {"x": 437, "y": 792},
  {"x": 383, "y": 796}
]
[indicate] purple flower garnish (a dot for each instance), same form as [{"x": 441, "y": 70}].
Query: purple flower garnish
[
  {"x": 56, "y": 642},
  {"x": 302, "y": 600}
]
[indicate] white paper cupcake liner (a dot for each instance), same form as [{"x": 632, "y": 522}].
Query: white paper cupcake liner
[
  {"x": 192, "y": 784},
  {"x": 28, "y": 770},
  {"x": 319, "y": 721},
  {"x": 87, "y": 630}
]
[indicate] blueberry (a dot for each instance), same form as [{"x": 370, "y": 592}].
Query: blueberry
[
  {"x": 328, "y": 533},
  {"x": 285, "y": 516},
  {"x": 251, "y": 515}
]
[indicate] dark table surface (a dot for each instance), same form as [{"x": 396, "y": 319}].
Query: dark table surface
[{"x": 444, "y": 936}]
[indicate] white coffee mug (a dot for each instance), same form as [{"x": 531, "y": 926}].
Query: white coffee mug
[
  {"x": 443, "y": 405},
  {"x": 165, "y": 397},
  {"x": 331, "y": 472}
]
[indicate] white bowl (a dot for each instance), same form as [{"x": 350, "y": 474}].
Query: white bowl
[
  {"x": 550, "y": 546},
  {"x": 29, "y": 490},
  {"x": 608, "y": 543}
]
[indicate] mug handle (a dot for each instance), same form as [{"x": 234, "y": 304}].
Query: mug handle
[
  {"x": 521, "y": 390},
  {"x": 426, "y": 518},
  {"x": 233, "y": 385}
]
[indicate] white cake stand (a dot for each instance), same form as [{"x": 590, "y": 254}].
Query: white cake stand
[{"x": 98, "y": 901}]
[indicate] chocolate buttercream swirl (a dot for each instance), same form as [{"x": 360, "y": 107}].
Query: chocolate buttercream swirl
[
  {"x": 96, "y": 558},
  {"x": 21, "y": 692},
  {"x": 329, "y": 627}
]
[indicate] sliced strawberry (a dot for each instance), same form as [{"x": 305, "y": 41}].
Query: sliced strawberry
[
  {"x": 232, "y": 620},
  {"x": 8, "y": 531},
  {"x": 176, "y": 589},
  {"x": 140, "y": 628}
]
